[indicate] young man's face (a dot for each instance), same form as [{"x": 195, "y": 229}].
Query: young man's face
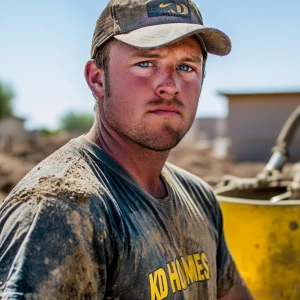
[{"x": 153, "y": 93}]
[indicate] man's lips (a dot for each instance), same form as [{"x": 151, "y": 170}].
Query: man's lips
[
  {"x": 165, "y": 110},
  {"x": 165, "y": 113}
]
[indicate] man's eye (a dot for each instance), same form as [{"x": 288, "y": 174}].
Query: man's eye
[
  {"x": 185, "y": 68},
  {"x": 144, "y": 64}
]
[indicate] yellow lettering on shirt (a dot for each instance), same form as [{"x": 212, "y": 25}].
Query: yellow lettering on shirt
[
  {"x": 190, "y": 269},
  {"x": 174, "y": 278},
  {"x": 180, "y": 274},
  {"x": 199, "y": 267},
  {"x": 206, "y": 268},
  {"x": 160, "y": 291}
]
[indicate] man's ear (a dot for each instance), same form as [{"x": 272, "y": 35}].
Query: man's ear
[{"x": 95, "y": 79}]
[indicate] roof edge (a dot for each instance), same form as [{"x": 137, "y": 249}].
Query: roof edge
[{"x": 258, "y": 93}]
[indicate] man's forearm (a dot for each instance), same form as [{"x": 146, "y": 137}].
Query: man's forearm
[{"x": 239, "y": 291}]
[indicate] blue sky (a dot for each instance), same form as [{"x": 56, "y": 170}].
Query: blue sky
[{"x": 45, "y": 45}]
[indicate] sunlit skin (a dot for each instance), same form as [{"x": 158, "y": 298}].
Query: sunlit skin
[{"x": 152, "y": 104}]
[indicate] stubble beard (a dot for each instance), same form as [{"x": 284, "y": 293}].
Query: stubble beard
[
  {"x": 163, "y": 139},
  {"x": 142, "y": 136}
]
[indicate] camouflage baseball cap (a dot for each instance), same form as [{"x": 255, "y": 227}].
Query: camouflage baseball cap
[{"x": 149, "y": 24}]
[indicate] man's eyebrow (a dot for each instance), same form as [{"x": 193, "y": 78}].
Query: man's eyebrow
[
  {"x": 196, "y": 59},
  {"x": 146, "y": 54}
]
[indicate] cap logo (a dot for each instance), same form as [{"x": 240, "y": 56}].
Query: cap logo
[
  {"x": 180, "y": 9},
  {"x": 173, "y": 8}
]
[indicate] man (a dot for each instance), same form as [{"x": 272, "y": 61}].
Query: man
[{"x": 105, "y": 217}]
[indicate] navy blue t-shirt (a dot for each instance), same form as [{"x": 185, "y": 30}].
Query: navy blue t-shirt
[{"x": 78, "y": 226}]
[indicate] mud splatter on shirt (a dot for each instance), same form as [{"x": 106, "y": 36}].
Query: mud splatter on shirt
[{"x": 78, "y": 226}]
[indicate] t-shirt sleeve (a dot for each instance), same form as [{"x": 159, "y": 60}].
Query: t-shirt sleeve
[{"x": 51, "y": 248}]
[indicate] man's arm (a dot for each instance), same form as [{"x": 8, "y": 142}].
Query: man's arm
[
  {"x": 239, "y": 291},
  {"x": 50, "y": 249}
]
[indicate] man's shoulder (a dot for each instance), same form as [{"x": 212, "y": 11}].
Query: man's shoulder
[
  {"x": 187, "y": 178},
  {"x": 65, "y": 174},
  {"x": 197, "y": 189}
]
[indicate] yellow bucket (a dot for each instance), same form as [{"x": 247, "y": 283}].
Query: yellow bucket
[{"x": 264, "y": 239}]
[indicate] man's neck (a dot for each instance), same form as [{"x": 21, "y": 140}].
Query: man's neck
[{"x": 143, "y": 164}]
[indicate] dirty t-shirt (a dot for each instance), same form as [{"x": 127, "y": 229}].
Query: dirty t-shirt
[{"x": 78, "y": 226}]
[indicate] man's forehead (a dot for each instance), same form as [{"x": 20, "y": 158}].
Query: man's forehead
[{"x": 190, "y": 45}]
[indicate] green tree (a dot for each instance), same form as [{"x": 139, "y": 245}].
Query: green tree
[
  {"x": 6, "y": 98},
  {"x": 73, "y": 121}
]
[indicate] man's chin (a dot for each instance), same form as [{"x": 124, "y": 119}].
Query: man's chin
[{"x": 163, "y": 144}]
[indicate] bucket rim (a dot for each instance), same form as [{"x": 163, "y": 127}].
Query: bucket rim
[{"x": 247, "y": 201}]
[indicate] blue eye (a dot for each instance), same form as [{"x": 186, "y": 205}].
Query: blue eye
[
  {"x": 185, "y": 68},
  {"x": 144, "y": 64}
]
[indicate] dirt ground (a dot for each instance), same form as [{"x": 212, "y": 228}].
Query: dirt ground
[{"x": 18, "y": 159}]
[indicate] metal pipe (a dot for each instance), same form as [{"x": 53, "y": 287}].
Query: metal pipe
[{"x": 280, "y": 152}]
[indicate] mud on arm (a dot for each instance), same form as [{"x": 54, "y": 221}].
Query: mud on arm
[{"x": 51, "y": 249}]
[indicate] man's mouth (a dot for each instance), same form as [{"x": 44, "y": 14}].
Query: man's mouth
[{"x": 165, "y": 110}]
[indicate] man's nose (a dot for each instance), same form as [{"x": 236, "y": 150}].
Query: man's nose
[{"x": 167, "y": 84}]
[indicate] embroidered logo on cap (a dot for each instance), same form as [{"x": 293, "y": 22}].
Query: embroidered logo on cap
[
  {"x": 173, "y": 8},
  {"x": 176, "y": 9}
]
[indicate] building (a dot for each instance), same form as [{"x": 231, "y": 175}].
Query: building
[
  {"x": 255, "y": 121},
  {"x": 12, "y": 129}
]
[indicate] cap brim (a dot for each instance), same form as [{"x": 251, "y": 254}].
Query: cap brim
[{"x": 149, "y": 37}]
